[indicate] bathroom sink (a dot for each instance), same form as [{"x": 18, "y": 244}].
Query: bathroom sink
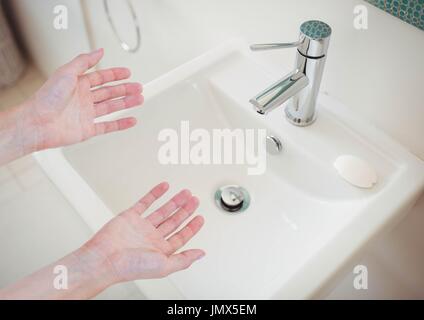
[{"x": 304, "y": 223}]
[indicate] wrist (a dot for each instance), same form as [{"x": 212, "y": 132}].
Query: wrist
[
  {"x": 82, "y": 275},
  {"x": 95, "y": 269},
  {"x": 19, "y": 136}
]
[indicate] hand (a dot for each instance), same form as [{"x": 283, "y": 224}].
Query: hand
[
  {"x": 138, "y": 247},
  {"x": 64, "y": 109},
  {"x": 129, "y": 247}
]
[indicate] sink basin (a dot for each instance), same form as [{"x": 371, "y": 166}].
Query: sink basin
[{"x": 304, "y": 224}]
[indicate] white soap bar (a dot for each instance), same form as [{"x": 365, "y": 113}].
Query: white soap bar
[{"x": 356, "y": 171}]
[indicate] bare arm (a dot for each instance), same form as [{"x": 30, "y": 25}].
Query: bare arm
[{"x": 86, "y": 277}]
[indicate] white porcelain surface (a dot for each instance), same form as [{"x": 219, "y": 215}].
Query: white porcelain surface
[{"x": 304, "y": 222}]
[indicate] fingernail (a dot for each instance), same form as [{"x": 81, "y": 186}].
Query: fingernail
[
  {"x": 97, "y": 51},
  {"x": 201, "y": 256}
]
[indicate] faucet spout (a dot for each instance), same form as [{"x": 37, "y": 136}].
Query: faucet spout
[
  {"x": 302, "y": 85},
  {"x": 279, "y": 92}
]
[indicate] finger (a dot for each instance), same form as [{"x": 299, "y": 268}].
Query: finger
[
  {"x": 111, "y": 106},
  {"x": 147, "y": 200},
  {"x": 84, "y": 62},
  {"x": 112, "y": 126},
  {"x": 183, "y": 260},
  {"x": 111, "y": 92},
  {"x": 173, "y": 222},
  {"x": 179, "y": 239},
  {"x": 98, "y": 78},
  {"x": 168, "y": 208}
]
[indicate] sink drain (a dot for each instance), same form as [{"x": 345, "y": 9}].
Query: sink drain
[
  {"x": 232, "y": 199},
  {"x": 273, "y": 145}
]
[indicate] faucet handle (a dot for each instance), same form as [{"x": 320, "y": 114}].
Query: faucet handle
[
  {"x": 313, "y": 40},
  {"x": 272, "y": 46}
]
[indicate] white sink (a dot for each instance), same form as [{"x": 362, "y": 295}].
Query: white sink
[{"x": 304, "y": 223}]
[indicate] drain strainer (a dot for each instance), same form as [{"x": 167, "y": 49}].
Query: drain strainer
[{"x": 233, "y": 199}]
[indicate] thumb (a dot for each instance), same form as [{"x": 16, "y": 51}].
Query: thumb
[
  {"x": 84, "y": 62},
  {"x": 183, "y": 260}
]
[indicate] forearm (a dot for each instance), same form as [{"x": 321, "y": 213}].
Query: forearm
[
  {"x": 18, "y": 133},
  {"x": 79, "y": 275}
]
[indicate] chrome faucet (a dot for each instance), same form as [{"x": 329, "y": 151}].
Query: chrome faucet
[{"x": 302, "y": 85}]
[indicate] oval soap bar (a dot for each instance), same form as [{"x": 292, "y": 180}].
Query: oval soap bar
[{"x": 356, "y": 171}]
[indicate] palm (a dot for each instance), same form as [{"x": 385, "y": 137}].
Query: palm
[
  {"x": 138, "y": 247},
  {"x": 69, "y": 102}
]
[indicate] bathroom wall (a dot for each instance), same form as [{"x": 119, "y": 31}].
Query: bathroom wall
[
  {"x": 48, "y": 47},
  {"x": 378, "y": 72}
]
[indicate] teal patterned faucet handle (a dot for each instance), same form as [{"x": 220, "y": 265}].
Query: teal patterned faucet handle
[{"x": 315, "y": 29}]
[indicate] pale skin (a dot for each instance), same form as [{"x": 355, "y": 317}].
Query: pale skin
[{"x": 134, "y": 244}]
